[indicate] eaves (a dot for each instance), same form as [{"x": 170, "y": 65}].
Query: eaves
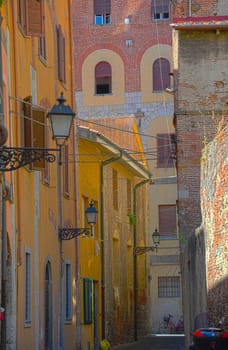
[
  {"x": 125, "y": 160},
  {"x": 200, "y": 23}
]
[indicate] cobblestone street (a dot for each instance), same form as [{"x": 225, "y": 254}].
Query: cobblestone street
[{"x": 155, "y": 342}]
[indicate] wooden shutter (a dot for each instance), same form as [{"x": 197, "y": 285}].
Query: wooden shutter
[
  {"x": 38, "y": 135},
  {"x": 161, "y": 77},
  {"x": 88, "y": 300},
  {"x": 159, "y": 6},
  {"x": 102, "y": 7},
  {"x": 103, "y": 70},
  {"x": 166, "y": 150},
  {"x": 27, "y": 122},
  {"x": 22, "y": 13},
  {"x": 35, "y": 18},
  {"x": 61, "y": 55},
  {"x": 167, "y": 220}
]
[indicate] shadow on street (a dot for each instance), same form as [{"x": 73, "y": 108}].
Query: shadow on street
[{"x": 155, "y": 342}]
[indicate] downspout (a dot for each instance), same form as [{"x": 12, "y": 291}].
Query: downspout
[
  {"x": 103, "y": 164},
  {"x": 137, "y": 186},
  {"x": 189, "y": 8}
]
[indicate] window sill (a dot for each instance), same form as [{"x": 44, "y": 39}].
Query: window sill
[
  {"x": 101, "y": 24},
  {"x": 168, "y": 238},
  {"x": 161, "y": 20},
  {"x": 103, "y": 94}
]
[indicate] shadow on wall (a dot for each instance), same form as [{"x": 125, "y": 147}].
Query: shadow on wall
[
  {"x": 218, "y": 303},
  {"x": 217, "y": 314}
]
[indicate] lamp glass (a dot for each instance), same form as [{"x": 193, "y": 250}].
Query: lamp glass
[
  {"x": 60, "y": 125},
  {"x": 91, "y": 214},
  {"x": 156, "y": 237}
]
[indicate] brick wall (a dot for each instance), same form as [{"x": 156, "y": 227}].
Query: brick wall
[
  {"x": 142, "y": 31},
  {"x": 200, "y": 103},
  {"x": 201, "y": 98},
  {"x": 214, "y": 196},
  {"x": 199, "y": 8}
]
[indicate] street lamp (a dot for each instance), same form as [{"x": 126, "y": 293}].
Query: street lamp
[
  {"x": 61, "y": 119},
  {"x": 156, "y": 241},
  {"x": 70, "y": 233},
  {"x": 13, "y": 158}
]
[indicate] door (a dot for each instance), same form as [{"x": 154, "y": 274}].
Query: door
[{"x": 96, "y": 312}]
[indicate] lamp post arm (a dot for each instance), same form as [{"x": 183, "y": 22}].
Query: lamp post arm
[
  {"x": 70, "y": 233},
  {"x": 13, "y": 158}
]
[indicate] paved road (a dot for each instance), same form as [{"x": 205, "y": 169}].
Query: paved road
[{"x": 155, "y": 342}]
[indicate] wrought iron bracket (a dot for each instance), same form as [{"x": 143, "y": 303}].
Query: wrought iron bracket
[
  {"x": 13, "y": 158},
  {"x": 143, "y": 250},
  {"x": 70, "y": 233}
]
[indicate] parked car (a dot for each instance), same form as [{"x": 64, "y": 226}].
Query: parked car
[{"x": 210, "y": 339}]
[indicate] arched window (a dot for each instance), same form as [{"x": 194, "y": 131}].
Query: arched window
[
  {"x": 161, "y": 75},
  {"x": 103, "y": 78}
]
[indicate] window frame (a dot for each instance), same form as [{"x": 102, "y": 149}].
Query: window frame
[
  {"x": 33, "y": 129},
  {"x": 166, "y": 150},
  {"x": 169, "y": 287},
  {"x": 68, "y": 291},
  {"x": 160, "y": 76},
  {"x": 31, "y": 17},
  {"x": 167, "y": 216},
  {"x": 61, "y": 54},
  {"x": 102, "y": 12},
  {"x": 103, "y": 80},
  {"x": 166, "y": 10},
  {"x": 102, "y": 19}
]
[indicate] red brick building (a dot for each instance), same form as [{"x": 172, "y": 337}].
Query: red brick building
[{"x": 201, "y": 95}]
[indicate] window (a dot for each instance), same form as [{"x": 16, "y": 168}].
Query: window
[
  {"x": 161, "y": 75},
  {"x": 61, "y": 54},
  {"x": 27, "y": 295},
  {"x": 167, "y": 221},
  {"x": 88, "y": 300},
  {"x": 166, "y": 150},
  {"x": 68, "y": 292},
  {"x": 102, "y": 12},
  {"x": 42, "y": 45},
  {"x": 103, "y": 78},
  {"x": 169, "y": 287},
  {"x": 115, "y": 189},
  {"x": 33, "y": 129},
  {"x": 160, "y": 9},
  {"x": 31, "y": 17}
]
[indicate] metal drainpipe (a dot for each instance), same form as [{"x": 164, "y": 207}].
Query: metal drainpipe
[
  {"x": 189, "y": 8},
  {"x": 135, "y": 258},
  {"x": 103, "y": 164}
]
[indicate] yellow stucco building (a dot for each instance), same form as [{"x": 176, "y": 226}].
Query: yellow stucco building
[{"x": 39, "y": 269}]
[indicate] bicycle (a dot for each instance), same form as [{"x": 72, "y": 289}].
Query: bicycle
[{"x": 167, "y": 325}]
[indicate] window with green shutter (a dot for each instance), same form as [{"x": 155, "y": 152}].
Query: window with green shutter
[{"x": 88, "y": 300}]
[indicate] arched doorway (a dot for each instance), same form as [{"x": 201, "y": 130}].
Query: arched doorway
[{"x": 48, "y": 306}]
